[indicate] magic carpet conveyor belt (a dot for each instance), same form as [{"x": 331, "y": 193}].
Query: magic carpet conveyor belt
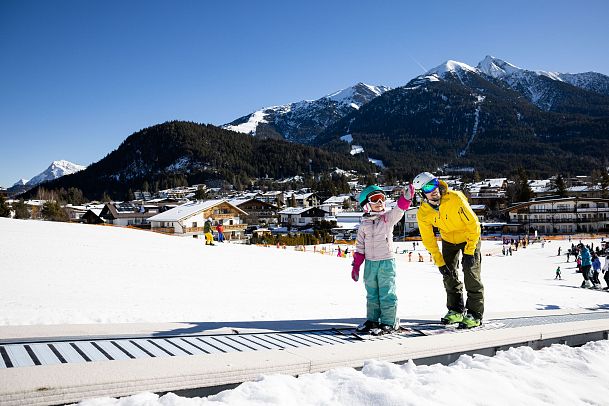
[{"x": 49, "y": 371}]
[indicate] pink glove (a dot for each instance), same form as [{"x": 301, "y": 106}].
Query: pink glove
[
  {"x": 405, "y": 199},
  {"x": 358, "y": 260}
]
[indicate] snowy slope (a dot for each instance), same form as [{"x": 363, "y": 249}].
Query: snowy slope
[
  {"x": 71, "y": 273},
  {"x": 48, "y": 277}
]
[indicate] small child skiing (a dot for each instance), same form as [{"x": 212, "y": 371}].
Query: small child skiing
[
  {"x": 373, "y": 245},
  {"x": 558, "y": 274}
]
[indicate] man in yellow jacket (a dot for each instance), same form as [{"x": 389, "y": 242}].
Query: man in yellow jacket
[{"x": 449, "y": 212}]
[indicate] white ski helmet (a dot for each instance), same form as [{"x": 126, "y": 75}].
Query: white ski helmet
[{"x": 421, "y": 179}]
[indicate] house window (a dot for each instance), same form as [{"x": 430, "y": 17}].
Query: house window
[{"x": 194, "y": 224}]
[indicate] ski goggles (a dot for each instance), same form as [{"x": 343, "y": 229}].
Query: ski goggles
[
  {"x": 377, "y": 197},
  {"x": 430, "y": 186}
]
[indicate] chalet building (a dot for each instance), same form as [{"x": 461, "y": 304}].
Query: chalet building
[
  {"x": 76, "y": 213},
  {"x": 275, "y": 197},
  {"x": 393, "y": 192},
  {"x": 481, "y": 211},
  {"x": 410, "y": 220},
  {"x": 143, "y": 196},
  {"x": 490, "y": 192},
  {"x": 347, "y": 223},
  {"x": 337, "y": 204},
  {"x": 542, "y": 188},
  {"x": 301, "y": 216},
  {"x": 258, "y": 211},
  {"x": 128, "y": 213},
  {"x": 561, "y": 215},
  {"x": 302, "y": 199},
  {"x": 189, "y": 219},
  {"x": 34, "y": 206},
  {"x": 91, "y": 216},
  {"x": 591, "y": 191}
]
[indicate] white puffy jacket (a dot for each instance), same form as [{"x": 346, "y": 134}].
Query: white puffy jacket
[{"x": 375, "y": 234}]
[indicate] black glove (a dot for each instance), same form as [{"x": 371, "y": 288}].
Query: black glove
[
  {"x": 468, "y": 261},
  {"x": 446, "y": 271}
]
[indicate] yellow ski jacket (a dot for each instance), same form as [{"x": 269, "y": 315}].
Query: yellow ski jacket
[{"x": 454, "y": 218}]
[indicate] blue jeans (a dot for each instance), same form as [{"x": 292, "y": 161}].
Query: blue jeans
[{"x": 382, "y": 301}]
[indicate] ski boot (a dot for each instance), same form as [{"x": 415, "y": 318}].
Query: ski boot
[
  {"x": 382, "y": 330},
  {"x": 367, "y": 326},
  {"x": 469, "y": 321},
  {"x": 452, "y": 317}
]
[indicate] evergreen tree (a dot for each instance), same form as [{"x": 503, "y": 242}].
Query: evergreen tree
[
  {"x": 347, "y": 204},
  {"x": 21, "y": 210},
  {"x": 201, "y": 193},
  {"x": 525, "y": 192},
  {"x": 561, "y": 187},
  {"x": 52, "y": 210},
  {"x": 74, "y": 196},
  {"x": 605, "y": 184},
  {"x": 5, "y": 211}
]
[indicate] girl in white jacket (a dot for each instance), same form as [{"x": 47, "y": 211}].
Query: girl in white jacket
[{"x": 374, "y": 239}]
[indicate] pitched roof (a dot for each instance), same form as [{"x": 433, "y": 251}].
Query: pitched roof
[{"x": 188, "y": 210}]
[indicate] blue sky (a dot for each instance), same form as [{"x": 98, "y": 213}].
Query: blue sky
[{"x": 78, "y": 77}]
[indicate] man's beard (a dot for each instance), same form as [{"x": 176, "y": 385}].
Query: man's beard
[{"x": 435, "y": 202}]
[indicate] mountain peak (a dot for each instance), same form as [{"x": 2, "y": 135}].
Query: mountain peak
[
  {"x": 56, "y": 170},
  {"x": 21, "y": 182},
  {"x": 451, "y": 67},
  {"x": 496, "y": 67},
  {"x": 358, "y": 94}
]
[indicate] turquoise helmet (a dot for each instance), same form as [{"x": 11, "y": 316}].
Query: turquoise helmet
[{"x": 363, "y": 196}]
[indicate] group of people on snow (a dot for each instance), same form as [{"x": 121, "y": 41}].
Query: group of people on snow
[
  {"x": 208, "y": 232},
  {"x": 589, "y": 264},
  {"x": 442, "y": 208}
]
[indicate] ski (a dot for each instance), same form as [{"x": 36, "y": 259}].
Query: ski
[{"x": 352, "y": 334}]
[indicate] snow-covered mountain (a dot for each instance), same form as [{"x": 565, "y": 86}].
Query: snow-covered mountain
[
  {"x": 491, "y": 117},
  {"x": 302, "y": 121},
  {"x": 57, "y": 169},
  {"x": 545, "y": 89},
  {"x": 21, "y": 182}
]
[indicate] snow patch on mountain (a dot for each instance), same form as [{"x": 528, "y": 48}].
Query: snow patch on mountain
[
  {"x": 249, "y": 127},
  {"x": 479, "y": 101},
  {"x": 180, "y": 164},
  {"x": 347, "y": 138},
  {"x": 377, "y": 162},
  {"x": 356, "y": 149}
]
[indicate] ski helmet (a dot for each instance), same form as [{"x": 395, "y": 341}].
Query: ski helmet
[
  {"x": 421, "y": 179},
  {"x": 363, "y": 196}
]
